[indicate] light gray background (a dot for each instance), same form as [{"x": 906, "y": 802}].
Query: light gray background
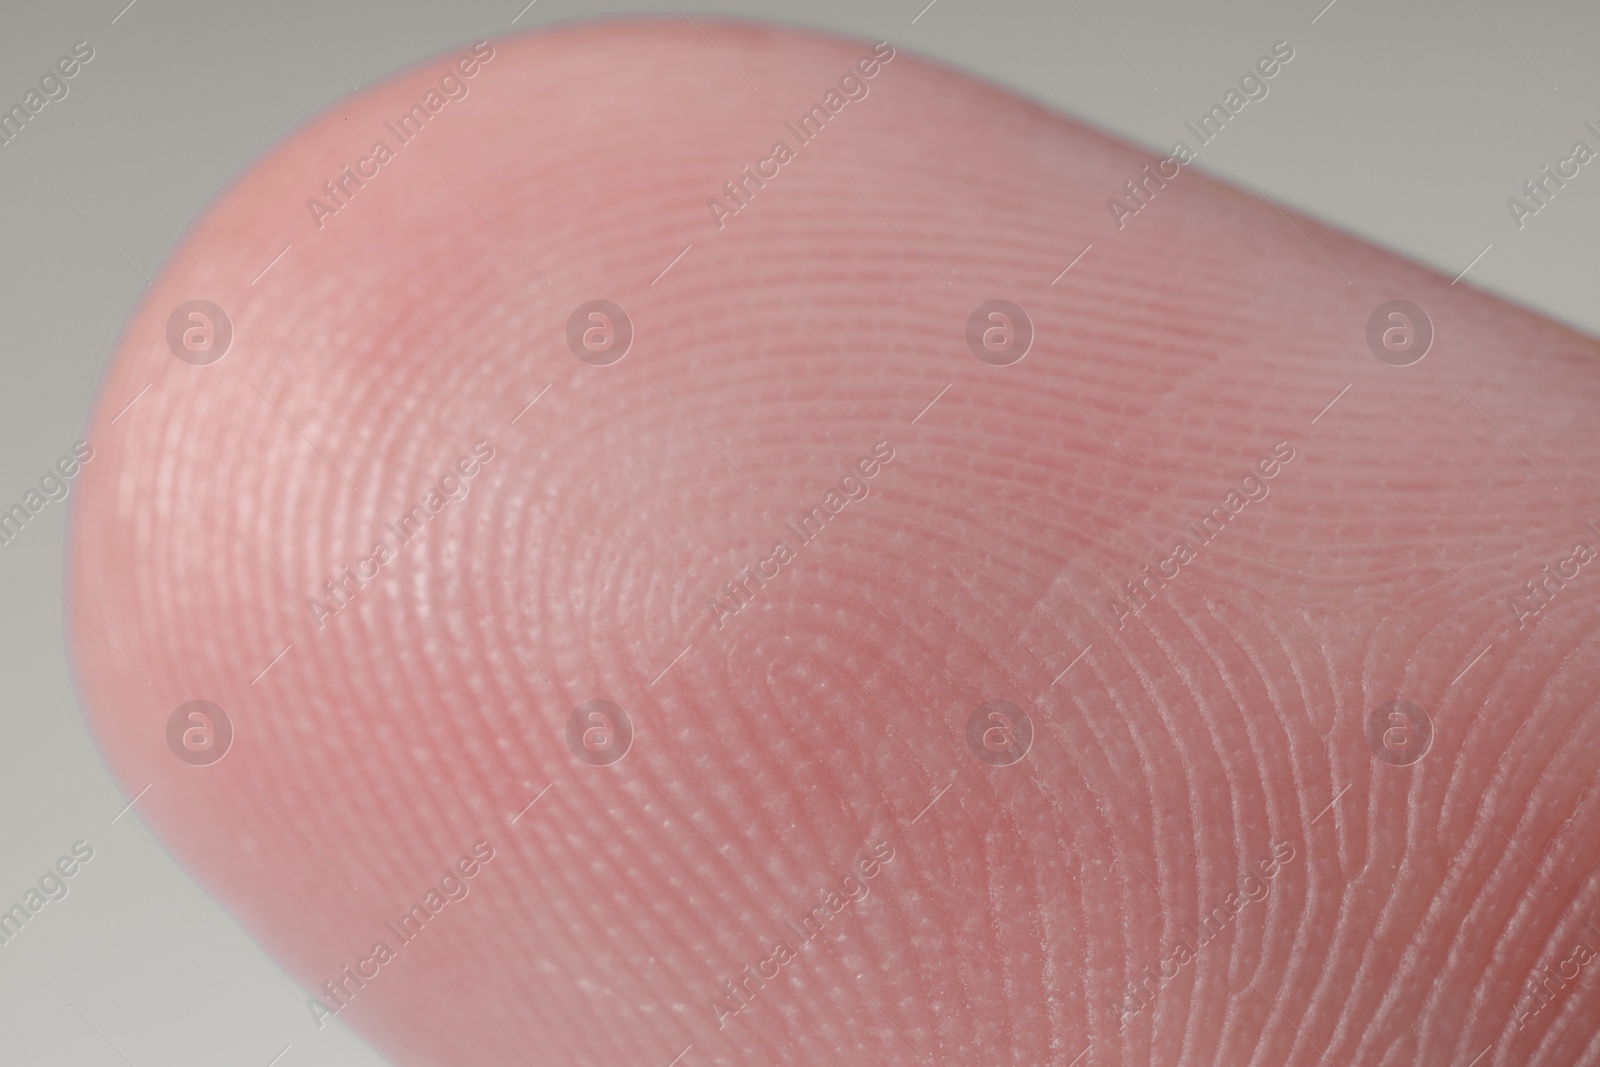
[{"x": 1409, "y": 123}]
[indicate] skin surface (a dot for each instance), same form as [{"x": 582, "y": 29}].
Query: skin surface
[{"x": 816, "y": 740}]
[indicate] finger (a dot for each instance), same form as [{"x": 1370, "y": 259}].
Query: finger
[{"x": 1163, "y": 665}]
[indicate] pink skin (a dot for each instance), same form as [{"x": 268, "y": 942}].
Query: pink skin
[{"x": 1193, "y": 749}]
